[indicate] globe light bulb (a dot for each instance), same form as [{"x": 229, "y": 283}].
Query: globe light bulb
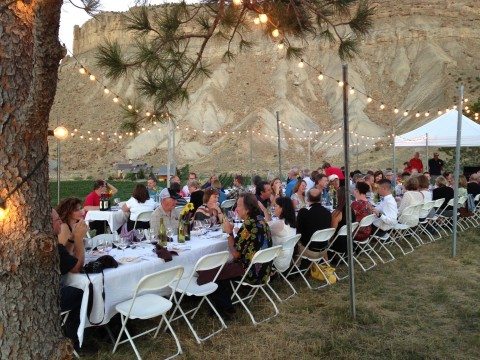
[
  {"x": 263, "y": 18},
  {"x": 382, "y": 106},
  {"x": 340, "y": 84},
  {"x": 237, "y": 2},
  {"x": 130, "y": 107},
  {"x": 60, "y": 132},
  {"x": 281, "y": 46},
  {"x": 115, "y": 99},
  {"x": 417, "y": 115},
  {"x": 106, "y": 91},
  {"x": 82, "y": 70},
  {"x": 405, "y": 113},
  {"x": 256, "y": 21},
  {"x": 439, "y": 112},
  {"x": 352, "y": 91},
  {"x": 395, "y": 111},
  {"x": 320, "y": 77},
  {"x": 92, "y": 77},
  {"x": 427, "y": 114},
  {"x": 275, "y": 33},
  {"x": 147, "y": 114},
  {"x": 301, "y": 64},
  {"x": 369, "y": 99}
]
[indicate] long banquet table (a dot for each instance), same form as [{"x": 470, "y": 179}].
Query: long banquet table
[
  {"x": 120, "y": 282},
  {"x": 114, "y": 218}
]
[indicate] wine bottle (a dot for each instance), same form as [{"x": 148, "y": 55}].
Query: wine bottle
[
  {"x": 186, "y": 229},
  {"x": 162, "y": 233},
  {"x": 181, "y": 231}
]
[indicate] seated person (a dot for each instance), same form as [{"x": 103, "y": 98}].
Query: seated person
[
  {"x": 283, "y": 228},
  {"x": 196, "y": 194},
  {"x": 298, "y": 196},
  {"x": 412, "y": 196},
  {"x": 165, "y": 211},
  {"x": 254, "y": 235},
  {"x": 221, "y": 195},
  {"x": 237, "y": 188},
  {"x": 176, "y": 188},
  {"x": 152, "y": 188},
  {"x": 361, "y": 207},
  {"x": 310, "y": 220},
  {"x": 210, "y": 208},
  {"x": 386, "y": 210},
  {"x": 263, "y": 191},
  {"x": 92, "y": 202},
  {"x": 442, "y": 191},
  {"x": 72, "y": 257},
  {"x": 338, "y": 220},
  {"x": 137, "y": 204}
]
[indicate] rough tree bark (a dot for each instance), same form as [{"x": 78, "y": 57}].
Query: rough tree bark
[{"x": 29, "y": 59}]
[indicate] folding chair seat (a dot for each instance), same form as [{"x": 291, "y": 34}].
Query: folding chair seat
[
  {"x": 319, "y": 237},
  {"x": 342, "y": 256},
  {"x": 260, "y": 257},
  {"x": 288, "y": 248},
  {"x": 363, "y": 246},
  {"x": 143, "y": 216},
  {"x": 463, "y": 221},
  {"x": 148, "y": 306},
  {"x": 189, "y": 287}
]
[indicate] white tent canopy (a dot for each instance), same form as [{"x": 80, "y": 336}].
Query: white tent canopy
[{"x": 442, "y": 132}]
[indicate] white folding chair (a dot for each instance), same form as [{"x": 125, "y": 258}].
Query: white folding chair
[
  {"x": 424, "y": 221},
  {"x": 189, "y": 287},
  {"x": 143, "y": 216},
  {"x": 401, "y": 230},
  {"x": 227, "y": 205},
  {"x": 64, "y": 316},
  {"x": 476, "y": 210},
  {"x": 445, "y": 216},
  {"x": 434, "y": 219},
  {"x": 363, "y": 246},
  {"x": 149, "y": 305},
  {"x": 342, "y": 256},
  {"x": 288, "y": 248},
  {"x": 318, "y": 237},
  {"x": 260, "y": 257}
]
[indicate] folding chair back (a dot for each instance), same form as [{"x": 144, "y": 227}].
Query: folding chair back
[
  {"x": 159, "y": 280},
  {"x": 143, "y": 216},
  {"x": 264, "y": 256},
  {"x": 462, "y": 200},
  {"x": 291, "y": 242},
  {"x": 411, "y": 215},
  {"x": 438, "y": 203},
  {"x": 211, "y": 261},
  {"x": 427, "y": 206},
  {"x": 343, "y": 229},
  {"x": 322, "y": 235},
  {"x": 367, "y": 221},
  {"x": 228, "y": 204}
]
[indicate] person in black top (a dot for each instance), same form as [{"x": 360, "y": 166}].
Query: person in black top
[
  {"x": 442, "y": 191},
  {"x": 263, "y": 191},
  {"x": 196, "y": 194},
  {"x": 310, "y": 220},
  {"x": 473, "y": 187},
  {"x": 435, "y": 165},
  {"x": 71, "y": 251}
]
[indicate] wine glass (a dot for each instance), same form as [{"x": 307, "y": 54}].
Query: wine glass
[
  {"x": 206, "y": 223},
  {"x": 123, "y": 243},
  {"x": 108, "y": 244},
  {"x": 170, "y": 233},
  {"x": 116, "y": 201},
  {"x": 147, "y": 234},
  {"x": 101, "y": 245}
]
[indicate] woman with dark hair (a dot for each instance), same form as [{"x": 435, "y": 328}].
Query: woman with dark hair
[
  {"x": 282, "y": 228},
  {"x": 277, "y": 191},
  {"x": 196, "y": 194},
  {"x": 361, "y": 207},
  {"x": 71, "y": 251},
  {"x": 138, "y": 203},
  {"x": 210, "y": 207},
  {"x": 377, "y": 176},
  {"x": 298, "y": 196}
]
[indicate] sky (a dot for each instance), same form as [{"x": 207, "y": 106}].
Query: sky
[{"x": 72, "y": 16}]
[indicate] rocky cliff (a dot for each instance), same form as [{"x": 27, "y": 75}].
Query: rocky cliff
[{"x": 416, "y": 54}]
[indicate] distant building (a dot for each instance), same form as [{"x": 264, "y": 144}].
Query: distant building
[
  {"x": 161, "y": 172},
  {"x": 132, "y": 168}
]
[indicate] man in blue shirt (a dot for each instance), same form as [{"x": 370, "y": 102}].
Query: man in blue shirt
[{"x": 291, "y": 181}]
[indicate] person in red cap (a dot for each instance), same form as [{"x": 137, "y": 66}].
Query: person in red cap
[{"x": 332, "y": 170}]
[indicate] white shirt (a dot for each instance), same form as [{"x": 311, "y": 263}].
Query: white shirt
[
  {"x": 136, "y": 208},
  {"x": 185, "y": 191},
  {"x": 410, "y": 198},
  {"x": 280, "y": 233},
  {"x": 310, "y": 183},
  {"x": 389, "y": 212}
]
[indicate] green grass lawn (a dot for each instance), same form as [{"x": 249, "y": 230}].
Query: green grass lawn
[
  {"x": 81, "y": 188},
  {"x": 422, "y": 306}
]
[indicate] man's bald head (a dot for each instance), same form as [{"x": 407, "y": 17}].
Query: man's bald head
[{"x": 314, "y": 195}]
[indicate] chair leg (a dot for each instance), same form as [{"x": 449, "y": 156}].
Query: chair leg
[
  {"x": 294, "y": 292},
  {"x": 179, "y": 348}
]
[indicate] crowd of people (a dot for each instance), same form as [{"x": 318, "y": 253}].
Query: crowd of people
[{"x": 270, "y": 211}]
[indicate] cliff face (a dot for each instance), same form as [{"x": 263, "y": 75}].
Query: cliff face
[{"x": 413, "y": 59}]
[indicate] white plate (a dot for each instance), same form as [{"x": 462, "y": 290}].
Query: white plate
[{"x": 129, "y": 260}]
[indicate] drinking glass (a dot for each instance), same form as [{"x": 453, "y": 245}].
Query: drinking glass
[
  {"x": 116, "y": 201},
  {"x": 146, "y": 234},
  {"x": 123, "y": 243},
  {"x": 108, "y": 244},
  {"x": 206, "y": 223},
  {"x": 101, "y": 245},
  {"x": 170, "y": 233},
  {"x": 197, "y": 225}
]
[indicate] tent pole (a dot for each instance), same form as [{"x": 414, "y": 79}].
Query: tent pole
[
  {"x": 426, "y": 145},
  {"x": 348, "y": 220},
  {"x": 394, "y": 158},
  {"x": 457, "y": 172}
]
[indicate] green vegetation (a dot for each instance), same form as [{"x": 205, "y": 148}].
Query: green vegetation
[
  {"x": 81, "y": 188},
  {"x": 421, "y": 306}
]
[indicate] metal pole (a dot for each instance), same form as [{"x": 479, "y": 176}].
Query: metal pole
[
  {"x": 251, "y": 153},
  {"x": 457, "y": 172},
  {"x": 279, "y": 147},
  {"x": 394, "y": 159},
  {"x": 169, "y": 151},
  {"x": 309, "y": 162},
  {"x": 58, "y": 171},
  {"x": 426, "y": 160},
  {"x": 348, "y": 220},
  {"x": 357, "y": 154},
  {"x": 174, "y": 163}
]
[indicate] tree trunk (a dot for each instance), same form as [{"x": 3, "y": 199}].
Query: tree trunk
[{"x": 29, "y": 276}]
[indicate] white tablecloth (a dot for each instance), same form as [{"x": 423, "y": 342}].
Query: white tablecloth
[
  {"x": 115, "y": 218},
  {"x": 120, "y": 283}
]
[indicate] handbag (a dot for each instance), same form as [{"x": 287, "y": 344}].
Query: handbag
[{"x": 327, "y": 273}]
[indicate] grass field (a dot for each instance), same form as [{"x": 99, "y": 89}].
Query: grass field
[
  {"x": 81, "y": 188},
  {"x": 422, "y": 306}
]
